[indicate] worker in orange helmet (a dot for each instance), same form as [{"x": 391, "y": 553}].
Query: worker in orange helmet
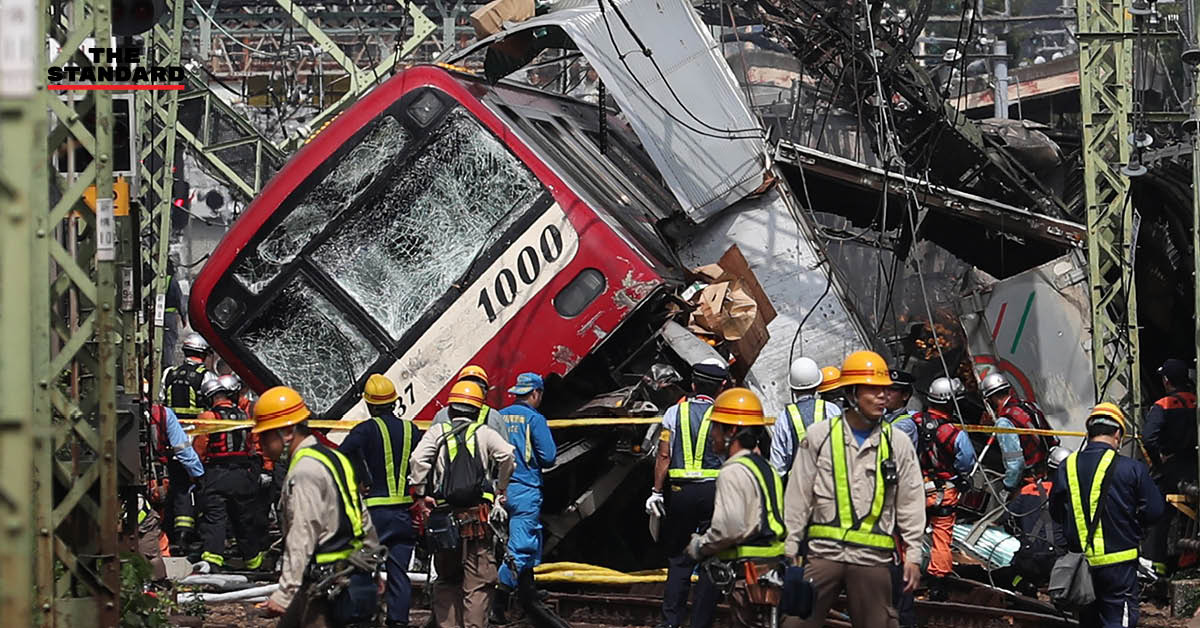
[
  {"x": 326, "y": 527},
  {"x": 830, "y": 389},
  {"x": 476, "y": 374},
  {"x": 854, "y": 496}
]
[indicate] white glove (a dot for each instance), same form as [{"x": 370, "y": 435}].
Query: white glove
[
  {"x": 655, "y": 505},
  {"x": 264, "y": 480},
  {"x": 693, "y": 548},
  {"x": 499, "y": 516}
]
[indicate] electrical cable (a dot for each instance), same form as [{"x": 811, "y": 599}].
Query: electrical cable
[
  {"x": 230, "y": 35},
  {"x": 800, "y": 327},
  {"x": 728, "y": 133}
]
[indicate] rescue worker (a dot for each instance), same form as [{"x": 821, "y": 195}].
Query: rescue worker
[
  {"x": 534, "y": 448},
  {"x": 687, "y": 461},
  {"x": 1170, "y": 438},
  {"x": 326, "y": 527},
  {"x": 185, "y": 473},
  {"x": 900, "y": 418},
  {"x": 1042, "y": 540},
  {"x": 230, "y": 499},
  {"x": 854, "y": 492},
  {"x": 1024, "y": 454},
  {"x": 830, "y": 390},
  {"x": 476, "y": 374},
  {"x": 804, "y": 410},
  {"x": 747, "y": 519},
  {"x": 947, "y": 459},
  {"x": 181, "y": 384},
  {"x": 384, "y": 445},
  {"x": 466, "y": 573},
  {"x": 1110, "y": 498}
]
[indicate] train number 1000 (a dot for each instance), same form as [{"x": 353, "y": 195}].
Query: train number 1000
[{"x": 528, "y": 268}]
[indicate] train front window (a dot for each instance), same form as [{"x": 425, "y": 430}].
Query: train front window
[
  {"x": 420, "y": 230},
  {"x": 336, "y": 191},
  {"x": 304, "y": 339}
]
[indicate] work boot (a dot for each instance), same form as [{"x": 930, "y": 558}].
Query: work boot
[
  {"x": 496, "y": 616},
  {"x": 937, "y": 590}
]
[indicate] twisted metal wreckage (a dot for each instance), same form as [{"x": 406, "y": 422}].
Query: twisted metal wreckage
[{"x": 867, "y": 212}]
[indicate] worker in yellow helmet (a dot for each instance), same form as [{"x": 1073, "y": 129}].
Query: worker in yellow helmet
[
  {"x": 384, "y": 445},
  {"x": 830, "y": 389},
  {"x": 747, "y": 519},
  {"x": 1105, "y": 502},
  {"x": 476, "y": 374},
  {"x": 853, "y": 491},
  {"x": 326, "y": 528},
  {"x": 459, "y": 472}
]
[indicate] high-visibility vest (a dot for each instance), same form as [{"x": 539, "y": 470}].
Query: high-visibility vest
[
  {"x": 691, "y": 457},
  {"x": 1094, "y": 551},
  {"x": 798, "y": 421},
  {"x": 397, "y": 480},
  {"x": 768, "y": 542},
  {"x": 349, "y": 535},
  {"x": 846, "y": 527},
  {"x": 469, "y": 437},
  {"x": 182, "y": 385},
  {"x": 231, "y": 446}
]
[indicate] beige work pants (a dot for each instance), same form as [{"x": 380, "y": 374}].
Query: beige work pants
[
  {"x": 466, "y": 579},
  {"x": 868, "y": 594}
]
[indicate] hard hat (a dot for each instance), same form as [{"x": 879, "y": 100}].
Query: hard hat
[
  {"x": 714, "y": 369},
  {"x": 994, "y": 382},
  {"x": 473, "y": 371},
  {"x": 379, "y": 390},
  {"x": 1058, "y": 454},
  {"x": 467, "y": 392},
  {"x": 279, "y": 407},
  {"x": 738, "y": 406},
  {"x": 865, "y": 367},
  {"x": 211, "y": 385},
  {"x": 1108, "y": 413},
  {"x": 944, "y": 390},
  {"x": 804, "y": 374},
  {"x": 231, "y": 382},
  {"x": 901, "y": 379},
  {"x": 195, "y": 343},
  {"x": 830, "y": 376}
]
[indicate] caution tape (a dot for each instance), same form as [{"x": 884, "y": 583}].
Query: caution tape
[
  {"x": 212, "y": 426},
  {"x": 987, "y": 429}
]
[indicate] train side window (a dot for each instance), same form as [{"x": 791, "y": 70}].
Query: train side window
[{"x": 577, "y": 295}]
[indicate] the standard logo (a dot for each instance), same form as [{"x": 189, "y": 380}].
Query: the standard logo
[{"x": 115, "y": 69}]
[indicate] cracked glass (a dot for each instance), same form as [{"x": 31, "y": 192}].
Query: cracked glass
[
  {"x": 309, "y": 345},
  {"x": 333, "y": 194},
  {"x": 425, "y": 227}
]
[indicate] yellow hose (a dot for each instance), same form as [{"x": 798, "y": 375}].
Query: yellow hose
[{"x": 581, "y": 573}]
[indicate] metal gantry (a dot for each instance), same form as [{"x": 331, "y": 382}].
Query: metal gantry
[{"x": 1106, "y": 62}]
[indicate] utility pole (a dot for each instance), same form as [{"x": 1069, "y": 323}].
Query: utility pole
[{"x": 1105, "y": 83}]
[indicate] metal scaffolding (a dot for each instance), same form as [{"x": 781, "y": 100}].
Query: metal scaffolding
[{"x": 1106, "y": 61}]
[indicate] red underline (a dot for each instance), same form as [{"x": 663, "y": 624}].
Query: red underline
[{"x": 116, "y": 88}]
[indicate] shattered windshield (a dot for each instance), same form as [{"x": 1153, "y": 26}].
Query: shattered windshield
[
  {"x": 309, "y": 345},
  {"x": 336, "y": 191},
  {"x": 420, "y": 231}
]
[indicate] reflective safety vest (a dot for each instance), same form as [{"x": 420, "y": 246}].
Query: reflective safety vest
[
  {"x": 691, "y": 456},
  {"x": 483, "y": 414},
  {"x": 1026, "y": 415},
  {"x": 349, "y": 535},
  {"x": 798, "y": 421},
  {"x": 768, "y": 541},
  {"x": 937, "y": 450},
  {"x": 1094, "y": 551},
  {"x": 231, "y": 446},
  {"x": 397, "y": 479},
  {"x": 469, "y": 437},
  {"x": 182, "y": 385},
  {"x": 848, "y": 527}
]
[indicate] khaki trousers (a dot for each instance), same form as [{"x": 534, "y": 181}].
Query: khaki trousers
[
  {"x": 466, "y": 579},
  {"x": 868, "y": 594}
]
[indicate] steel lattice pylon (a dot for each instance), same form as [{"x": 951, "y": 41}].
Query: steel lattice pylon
[{"x": 1106, "y": 83}]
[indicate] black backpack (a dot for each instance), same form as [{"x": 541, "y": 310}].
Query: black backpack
[{"x": 464, "y": 480}]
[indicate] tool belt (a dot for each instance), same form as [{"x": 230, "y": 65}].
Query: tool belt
[
  {"x": 473, "y": 522},
  {"x": 447, "y": 528},
  {"x": 762, "y": 578},
  {"x": 329, "y": 580}
]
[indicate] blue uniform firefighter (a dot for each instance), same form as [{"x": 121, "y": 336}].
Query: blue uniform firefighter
[
  {"x": 383, "y": 446},
  {"x": 527, "y": 431}
]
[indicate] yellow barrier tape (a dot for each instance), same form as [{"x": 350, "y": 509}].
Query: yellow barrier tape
[
  {"x": 205, "y": 426},
  {"x": 986, "y": 429}
]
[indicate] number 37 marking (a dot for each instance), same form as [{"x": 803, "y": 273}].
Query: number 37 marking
[
  {"x": 401, "y": 408},
  {"x": 529, "y": 266}
]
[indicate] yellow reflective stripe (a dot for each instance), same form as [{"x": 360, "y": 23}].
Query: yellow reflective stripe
[
  {"x": 1094, "y": 553},
  {"x": 256, "y": 562},
  {"x": 390, "y": 500},
  {"x": 841, "y": 477},
  {"x": 469, "y": 436},
  {"x": 685, "y": 432},
  {"x": 1113, "y": 558},
  {"x": 142, "y": 515},
  {"x": 753, "y": 551},
  {"x": 699, "y": 473},
  {"x": 483, "y": 414},
  {"x": 769, "y": 496},
  {"x": 349, "y": 497},
  {"x": 819, "y": 412},
  {"x": 881, "y": 454},
  {"x": 331, "y": 557},
  {"x": 797, "y": 422},
  {"x": 1094, "y": 500},
  {"x": 215, "y": 559},
  {"x": 397, "y": 482}
]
